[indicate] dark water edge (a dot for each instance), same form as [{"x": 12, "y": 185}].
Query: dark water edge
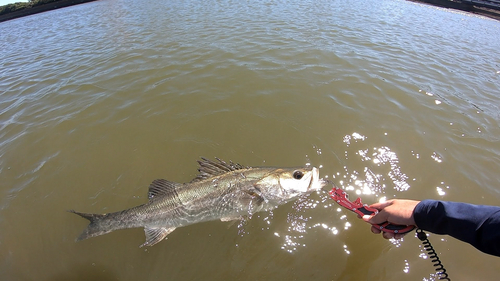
[
  {"x": 489, "y": 9},
  {"x": 41, "y": 9},
  {"x": 484, "y": 8}
]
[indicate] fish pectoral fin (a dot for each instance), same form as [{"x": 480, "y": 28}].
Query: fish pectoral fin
[
  {"x": 255, "y": 197},
  {"x": 155, "y": 235}
]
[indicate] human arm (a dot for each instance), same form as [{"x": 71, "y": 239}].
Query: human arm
[{"x": 477, "y": 225}]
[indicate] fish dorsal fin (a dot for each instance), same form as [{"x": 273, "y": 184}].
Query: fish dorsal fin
[
  {"x": 209, "y": 168},
  {"x": 161, "y": 187}
]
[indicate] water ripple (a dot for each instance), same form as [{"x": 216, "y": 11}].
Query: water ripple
[{"x": 136, "y": 90}]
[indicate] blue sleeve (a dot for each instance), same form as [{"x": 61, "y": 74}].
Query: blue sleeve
[{"x": 477, "y": 225}]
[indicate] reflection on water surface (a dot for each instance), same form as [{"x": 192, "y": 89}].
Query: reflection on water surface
[{"x": 390, "y": 98}]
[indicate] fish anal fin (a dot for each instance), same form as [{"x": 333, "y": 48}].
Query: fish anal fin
[
  {"x": 155, "y": 235},
  {"x": 161, "y": 187}
]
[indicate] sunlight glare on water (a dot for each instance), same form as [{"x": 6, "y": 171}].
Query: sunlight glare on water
[
  {"x": 369, "y": 182},
  {"x": 384, "y": 159},
  {"x": 389, "y": 98}
]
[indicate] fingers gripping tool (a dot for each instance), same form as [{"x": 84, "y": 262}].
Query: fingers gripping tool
[{"x": 361, "y": 209}]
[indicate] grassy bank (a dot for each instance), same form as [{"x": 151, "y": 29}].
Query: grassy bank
[
  {"x": 21, "y": 9},
  {"x": 18, "y": 6}
]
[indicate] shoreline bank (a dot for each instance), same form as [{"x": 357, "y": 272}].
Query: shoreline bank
[
  {"x": 41, "y": 9},
  {"x": 487, "y": 8},
  {"x": 490, "y": 9}
]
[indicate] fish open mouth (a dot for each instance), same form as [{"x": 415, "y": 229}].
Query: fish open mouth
[{"x": 316, "y": 182}]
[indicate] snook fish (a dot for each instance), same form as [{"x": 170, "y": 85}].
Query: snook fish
[{"x": 225, "y": 191}]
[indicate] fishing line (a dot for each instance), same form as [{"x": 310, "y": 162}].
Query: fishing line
[{"x": 436, "y": 262}]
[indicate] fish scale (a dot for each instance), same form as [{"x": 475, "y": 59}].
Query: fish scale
[{"x": 221, "y": 191}]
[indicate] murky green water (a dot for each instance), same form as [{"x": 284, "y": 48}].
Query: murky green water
[{"x": 390, "y": 98}]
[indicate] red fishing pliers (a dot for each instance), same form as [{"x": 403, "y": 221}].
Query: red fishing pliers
[{"x": 361, "y": 209}]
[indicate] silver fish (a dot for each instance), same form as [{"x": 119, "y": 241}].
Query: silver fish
[{"x": 225, "y": 191}]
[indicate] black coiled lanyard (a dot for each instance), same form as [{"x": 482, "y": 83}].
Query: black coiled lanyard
[
  {"x": 436, "y": 262},
  {"x": 341, "y": 197}
]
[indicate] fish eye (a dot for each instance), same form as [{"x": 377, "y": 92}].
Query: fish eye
[{"x": 298, "y": 175}]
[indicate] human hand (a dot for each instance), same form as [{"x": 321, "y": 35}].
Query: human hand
[{"x": 396, "y": 211}]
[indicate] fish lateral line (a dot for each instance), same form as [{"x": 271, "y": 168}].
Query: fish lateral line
[{"x": 224, "y": 191}]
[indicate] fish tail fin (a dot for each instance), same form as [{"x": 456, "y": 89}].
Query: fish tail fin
[{"x": 95, "y": 227}]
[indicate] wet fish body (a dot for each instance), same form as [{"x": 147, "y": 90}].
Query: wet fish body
[{"x": 225, "y": 191}]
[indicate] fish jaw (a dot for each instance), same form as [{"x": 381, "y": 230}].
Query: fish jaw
[
  {"x": 234, "y": 190},
  {"x": 309, "y": 182},
  {"x": 316, "y": 183},
  {"x": 289, "y": 183}
]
